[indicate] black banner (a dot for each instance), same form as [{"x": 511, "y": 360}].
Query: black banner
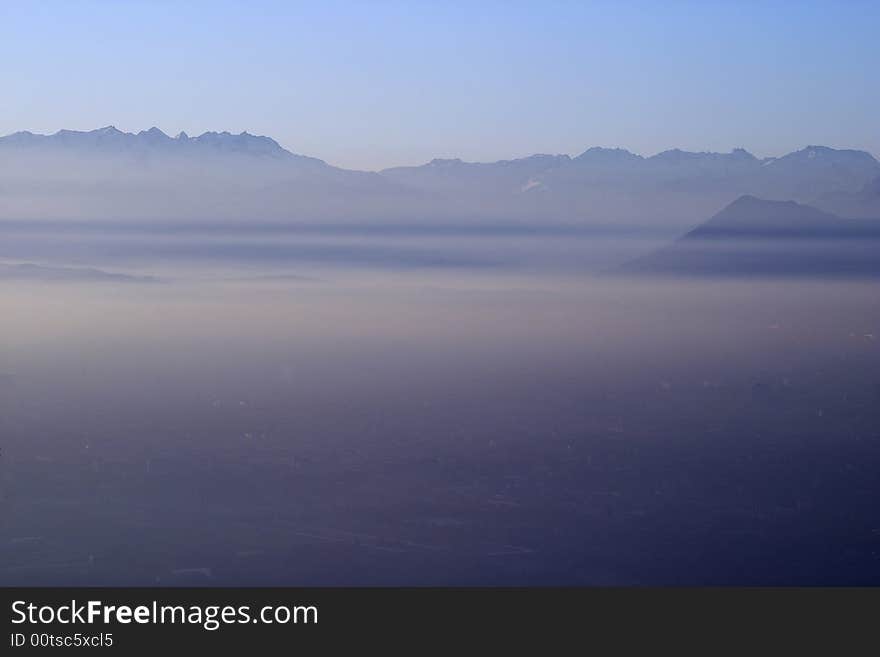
[{"x": 129, "y": 621}]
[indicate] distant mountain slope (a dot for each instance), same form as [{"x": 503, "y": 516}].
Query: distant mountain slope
[
  {"x": 752, "y": 236},
  {"x": 862, "y": 204},
  {"x": 505, "y": 175},
  {"x": 819, "y": 169}
]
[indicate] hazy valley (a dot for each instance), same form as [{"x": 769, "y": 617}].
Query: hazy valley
[{"x": 223, "y": 363}]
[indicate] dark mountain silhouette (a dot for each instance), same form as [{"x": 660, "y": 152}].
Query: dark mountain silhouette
[
  {"x": 752, "y": 236},
  {"x": 751, "y": 217}
]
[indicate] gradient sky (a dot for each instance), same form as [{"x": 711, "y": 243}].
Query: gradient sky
[{"x": 376, "y": 84}]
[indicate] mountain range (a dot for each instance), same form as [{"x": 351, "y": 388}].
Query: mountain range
[
  {"x": 108, "y": 174},
  {"x": 109, "y": 140}
]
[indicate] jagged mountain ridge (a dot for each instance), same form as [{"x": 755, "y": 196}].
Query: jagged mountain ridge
[{"x": 111, "y": 140}]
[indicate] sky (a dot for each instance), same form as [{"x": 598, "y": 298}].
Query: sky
[{"x": 373, "y": 84}]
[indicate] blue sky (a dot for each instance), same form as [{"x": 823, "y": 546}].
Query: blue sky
[{"x": 374, "y": 84}]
